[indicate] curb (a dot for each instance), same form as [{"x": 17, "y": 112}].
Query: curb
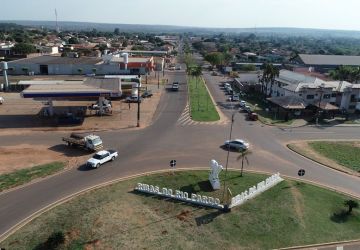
[
  {"x": 322, "y": 164},
  {"x": 31, "y": 217},
  {"x": 320, "y": 245}
]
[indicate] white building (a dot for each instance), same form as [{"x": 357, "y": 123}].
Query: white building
[{"x": 313, "y": 90}]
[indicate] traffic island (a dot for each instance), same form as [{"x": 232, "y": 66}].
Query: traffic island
[
  {"x": 119, "y": 217},
  {"x": 339, "y": 155}
]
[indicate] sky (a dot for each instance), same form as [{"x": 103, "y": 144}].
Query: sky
[{"x": 324, "y": 14}]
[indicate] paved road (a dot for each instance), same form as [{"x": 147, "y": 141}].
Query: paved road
[{"x": 192, "y": 146}]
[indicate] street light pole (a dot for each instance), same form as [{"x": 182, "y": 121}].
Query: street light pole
[
  {"x": 227, "y": 157},
  {"x": 321, "y": 93}
]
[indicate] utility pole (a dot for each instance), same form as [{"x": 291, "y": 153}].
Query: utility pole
[
  {"x": 158, "y": 79},
  {"x": 138, "y": 110}
]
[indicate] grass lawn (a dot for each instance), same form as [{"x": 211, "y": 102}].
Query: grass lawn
[
  {"x": 23, "y": 176},
  {"x": 344, "y": 153},
  {"x": 202, "y": 107},
  {"x": 116, "y": 217}
]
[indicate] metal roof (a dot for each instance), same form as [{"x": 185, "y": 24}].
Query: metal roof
[
  {"x": 113, "y": 84},
  {"x": 61, "y": 90},
  {"x": 330, "y": 60},
  {"x": 58, "y": 60},
  {"x": 49, "y": 82},
  {"x": 289, "y": 102}
]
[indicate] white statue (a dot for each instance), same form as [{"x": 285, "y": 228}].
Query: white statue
[{"x": 214, "y": 174}]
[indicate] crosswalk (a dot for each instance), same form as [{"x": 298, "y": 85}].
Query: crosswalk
[{"x": 185, "y": 120}]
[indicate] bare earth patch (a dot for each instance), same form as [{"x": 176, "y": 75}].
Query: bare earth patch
[
  {"x": 303, "y": 148},
  {"x": 298, "y": 204},
  {"x": 26, "y": 156}
]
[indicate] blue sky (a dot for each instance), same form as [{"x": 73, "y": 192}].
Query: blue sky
[{"x": 327, "y": 14}]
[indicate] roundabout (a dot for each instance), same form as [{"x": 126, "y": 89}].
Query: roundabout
[{"x": 117, "y": 216}]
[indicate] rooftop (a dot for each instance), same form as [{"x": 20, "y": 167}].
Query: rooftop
[
  {"x": 63, "y": 91},
  {"x": 330, "y": 60},
  {"x": 131, "y": 59},
  {"x": 58, "y": 60}
]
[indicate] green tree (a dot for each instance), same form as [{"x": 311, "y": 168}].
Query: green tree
[
  {"x": 244, "y": 153},
  {"x": 346, "y": 73},
  {"x": 24, "y": 48},
  {"x": 248, "y": 67},
  {"x": 215, "y": 58},
  {"x": 73, "y": 40},
  {"x": 351, "y": 204},
  {"x": 117, "y": 31},
  {"x": 270, "y": 72}
]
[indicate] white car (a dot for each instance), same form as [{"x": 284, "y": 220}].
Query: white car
[
  {"x": 237, "y": 144},
  {"x": 1, "y": 100},
  {"x": 242, "y": 103},
  {"x": 102, "y": 157}
]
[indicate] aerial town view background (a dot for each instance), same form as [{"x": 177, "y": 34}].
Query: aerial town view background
[{"x": 157, "y": 126}]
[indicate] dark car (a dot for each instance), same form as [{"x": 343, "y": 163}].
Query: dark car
[
  {"x": 147, "y": 93},
  {"x": 175, "y": 86}
]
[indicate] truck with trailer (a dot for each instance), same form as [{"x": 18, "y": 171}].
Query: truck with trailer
[{"x": 87, "y": 141}]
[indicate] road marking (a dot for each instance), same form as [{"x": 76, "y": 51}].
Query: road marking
[
  {"x": 340, "y": 248},
  {"x": 185, "y": 120}
]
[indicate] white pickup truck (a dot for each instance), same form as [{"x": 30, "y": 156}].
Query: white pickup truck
[{"x": 101, "y": 157}]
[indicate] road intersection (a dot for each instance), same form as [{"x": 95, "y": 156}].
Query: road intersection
[{"x": 152, "y": 148}]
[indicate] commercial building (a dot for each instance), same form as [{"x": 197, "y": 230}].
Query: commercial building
[
  {"x": 314, "y": 91},
  {"x": 325, "y": 63},
  {"x": 56, "y": 65}
]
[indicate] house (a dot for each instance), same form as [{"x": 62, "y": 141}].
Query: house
[{"x": 5, "y": 48}]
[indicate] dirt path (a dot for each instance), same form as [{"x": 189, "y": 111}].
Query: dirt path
[{"x": 298, "y": 203}]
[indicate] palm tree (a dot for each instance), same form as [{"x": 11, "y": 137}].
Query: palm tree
[
  {"x": 196, "y": 71},
  {"x": 351, "y": 204},
  {"x": 243, "y": 156},
  {"x": 270, "y": 72}
]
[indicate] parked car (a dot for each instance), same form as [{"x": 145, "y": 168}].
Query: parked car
[
  {"x": 229, "y": 91},
  {"x": 106, "y": 104},
  {"x": 147, "y": 93},
  {"x": 178, "y": 67},
  {"x": 246, "y": 109},
  {"x": 214, "y": 73},
  {"x": 226, "y": 85},
  {"x": 242, "y": 103},
  {"x": 237, "y": 144},
  {"x": 133, "y": 99},
  {"x": 102, "y": 157},
  {"x": 1, "y": 100},
  {"x": 253, "y": 116},
  {"x": 235, "y": 98}
]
